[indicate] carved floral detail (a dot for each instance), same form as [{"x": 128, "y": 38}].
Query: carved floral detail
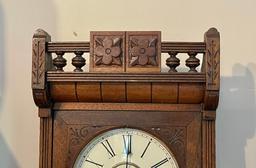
[
  {"x": 37, "y": 65},
  {"x": 177, "y": 140},
  {"x": 143, "y": 52},
  {"x": 77, "y": 135},
  {"x": 177, "y": 137},
  {"x": 212, "y": 62},
  {"x": 108, "y": 51}
]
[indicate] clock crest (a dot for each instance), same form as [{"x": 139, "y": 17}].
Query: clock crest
[{"x": 125, "y": 112}]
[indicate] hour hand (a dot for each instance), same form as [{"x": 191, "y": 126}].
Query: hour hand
[{"x": 127, "y": 144}]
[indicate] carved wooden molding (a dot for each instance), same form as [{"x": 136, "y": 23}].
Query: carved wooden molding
[
  {"x": 211, "y": 99},
  {"x": 182, "y": 47},
  {"x": 166, "y": 46},
  {"x": 42, "y": 97},
  {"x": 209, "y": 115},
  {"x": 126, "y": 77},
  {"x": 44, "y": 112}
]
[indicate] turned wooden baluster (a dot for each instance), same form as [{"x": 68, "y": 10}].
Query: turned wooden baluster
[
  {"x": 59, "y": 62},
  {"x": 192, "y": 62},
  {"x": 172, "y": 62},
  {"x": 78, "y": 61}
]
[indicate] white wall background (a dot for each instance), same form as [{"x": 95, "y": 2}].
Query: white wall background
[{"x": 179, "y": 20}]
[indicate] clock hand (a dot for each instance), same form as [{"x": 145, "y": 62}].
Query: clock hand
[
  {"x": 126, "y": 164},
  {"x": 129, "y": 144},
  {"x": 127, "y": 147}
]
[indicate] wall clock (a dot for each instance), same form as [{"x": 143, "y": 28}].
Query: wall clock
[{"x": 125, "y": 112}]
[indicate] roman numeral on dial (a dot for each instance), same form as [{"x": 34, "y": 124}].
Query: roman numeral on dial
[
  {"x": 143, "y": 153},
  {"x": 127, "y": 144},
  {"x": 160, "y": 163},
  {"x": 97, "y": 164},
  {"x": 108, "y": 147}
]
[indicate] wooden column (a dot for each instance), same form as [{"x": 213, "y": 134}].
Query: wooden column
[
  {"x": 41, "y": 63},
  {"x": 208, "y": 140},
  {"x": 46, "y": 131},
  {"x": 211, "y": 66}
]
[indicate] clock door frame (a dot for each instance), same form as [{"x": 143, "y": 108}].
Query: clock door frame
[{"x": 180, "y": 131}]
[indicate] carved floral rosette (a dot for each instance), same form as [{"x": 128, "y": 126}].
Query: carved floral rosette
[
  {"x": 143, "y": 51},
  {"x": 107, "y": 51}
]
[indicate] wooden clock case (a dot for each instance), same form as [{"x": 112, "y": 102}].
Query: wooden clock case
[{"x": 177, "y": 107}]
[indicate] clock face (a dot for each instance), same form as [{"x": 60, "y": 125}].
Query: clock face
[{"x": 125, "y": 148}]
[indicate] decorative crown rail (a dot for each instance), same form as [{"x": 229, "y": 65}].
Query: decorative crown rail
[
  {"x": 43, "y": 44},
  {"x": 130, "y": 52},
  {"x": 172, "y": 48}
]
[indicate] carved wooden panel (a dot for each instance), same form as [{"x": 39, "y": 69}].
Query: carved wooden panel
[
  {"x": 212, "y": 58},
  {"x": 107, "y": 51},
  {"x": 143, "y": 51},
  {"x": 212, "y": 68},
  {"x": 180, "y": 131},
  {"x": 38, "y": 64},
  {"x": 41, "y": 62}
]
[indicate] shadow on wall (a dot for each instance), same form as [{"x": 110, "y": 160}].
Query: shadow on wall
[
  {"x": 19, "y": 149},
  {"x": 6, "y": 157},
  {"x": 5, "y": 153},
  {"x": 236, "y": 116},
  {"x": 2, "y": 68}
]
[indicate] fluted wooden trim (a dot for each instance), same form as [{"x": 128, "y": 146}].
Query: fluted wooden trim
[
  {"x": 124, "y": 77},
  {"x": 182, "y": 47},
  {"x": 68, "y": 46},
  {"x": 45, "y": 158},
  {"x": 208, "y": 144}
]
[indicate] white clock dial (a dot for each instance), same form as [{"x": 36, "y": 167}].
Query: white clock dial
[{"x": 125, "y": 148}]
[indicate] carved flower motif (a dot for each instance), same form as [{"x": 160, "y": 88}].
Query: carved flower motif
[
  {"x": 108, "y": 51},
  {"x": 77, "y": 135},
  {"x": 143, "y": 52}
]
